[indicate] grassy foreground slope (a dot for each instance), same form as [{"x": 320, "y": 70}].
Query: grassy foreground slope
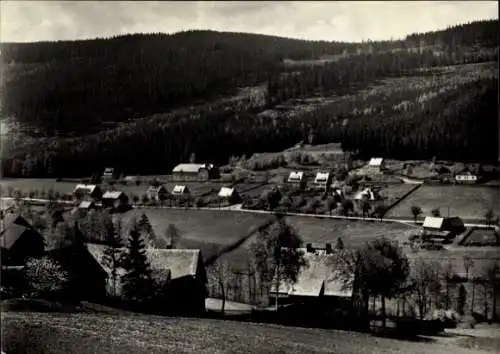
[{"x": 87, "y": 333}]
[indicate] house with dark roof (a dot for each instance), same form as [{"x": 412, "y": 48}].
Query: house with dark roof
[
  {"x": 180, "y": 273},
  {"x": 19, "y": 241},
  {"x": 87, "y": 277}
]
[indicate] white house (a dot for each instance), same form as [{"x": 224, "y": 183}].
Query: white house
[
  {"x": 466, "y": 178},
  {"x": 322, "y": 180},
  {"x": 229, "y": 195},
  {"x": 376, "y": 164},
  {"x": 87, "y": 190},
  {"x": 297, "y": 178},
  {"x": 367, "y": 194},
  {"x": 157, "y": 192},
  {"x": 179, "y": 190}
]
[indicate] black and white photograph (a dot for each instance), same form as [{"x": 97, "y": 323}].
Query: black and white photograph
[{"x": 314, "y": 177}]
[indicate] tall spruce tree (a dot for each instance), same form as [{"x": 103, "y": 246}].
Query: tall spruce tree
[
  {"x": 113, "y": 254},
  {"x": 146, "y": 230},
  {"x": 138, "y": 284}
]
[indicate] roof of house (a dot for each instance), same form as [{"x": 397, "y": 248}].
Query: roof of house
[
  {"x": 88, "y": 187},
  {"x": 375, "y": 161},
  {"x": 226, "y": 192},
  {"x": 112, "y": 195},
  {"x": 191, "y": 167},
  {"x": 86, "y": 204},
  {"x": 14, "y": 227},
  {"x": 165, "y": 263},
  {"x": 178, "y": 189},
  {"x": 315, "y": 277},
  {"x": 432, "y": 222},
  {"x": 295, "y": 176},
  {"x": 321, "y": 177},
  {"x": 156, "y": 188}
]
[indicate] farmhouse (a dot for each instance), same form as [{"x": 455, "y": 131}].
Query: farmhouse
[
  {"x": 180, "y": 272},
  {"x": 194, "y": 172},
  {"x": 157, "y": 193},
  {"x": 88, "y": 278},
  {"x": 84, "y": 208},
  {"x": 441, "y": 227},
  {"x": 376, "y": 165},
  {"x": 322, "y": 180},
  {"x": 179, "y": 190},
  {"x": 466, "y": 177},
  {"x": 297, "y": 179},
  {"x": 366, "y": 194},
  {"x": 229, "y": 195},
  {"x": 19, "y": 241},
  {"x": 317, "y": 283},
  {"x": 84, "y": 191},
  {"x": 114, "y": 199}
]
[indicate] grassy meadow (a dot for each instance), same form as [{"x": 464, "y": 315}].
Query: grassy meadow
[{"x": 98, "y": 333}]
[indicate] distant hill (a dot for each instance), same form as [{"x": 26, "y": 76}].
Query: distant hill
[
  {"x": 78, "y": 87},
  {"x": 79, "y": 101}
]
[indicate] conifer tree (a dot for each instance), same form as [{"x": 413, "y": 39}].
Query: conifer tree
[
  {"x": 113, "y": 253},
  {"x": 138, "y": 285}
]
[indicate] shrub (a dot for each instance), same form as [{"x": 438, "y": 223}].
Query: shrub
[
  {"x": 45, "y": 277},
  {"x": 138, "y": 182}
]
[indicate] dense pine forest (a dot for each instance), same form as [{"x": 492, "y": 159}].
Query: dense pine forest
[{"x": 85, "y": 98}]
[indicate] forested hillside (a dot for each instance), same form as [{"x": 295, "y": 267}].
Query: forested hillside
[{"x": 395, "y": 99}]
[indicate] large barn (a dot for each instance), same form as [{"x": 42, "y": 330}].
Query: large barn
[{"x": 194, "y": 172}]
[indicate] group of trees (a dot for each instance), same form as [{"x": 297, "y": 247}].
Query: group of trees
[{"x": 124, "y": 257}]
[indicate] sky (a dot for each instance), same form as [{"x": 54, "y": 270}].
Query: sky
[{"x": 31, "y": 21}]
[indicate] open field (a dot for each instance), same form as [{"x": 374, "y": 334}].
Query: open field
[
  {"x": 321, "y": 231},
  {"x": 467, "y": 202},
  {"x": 89, "y": 333},
  {"x": 207, "y": 230}
]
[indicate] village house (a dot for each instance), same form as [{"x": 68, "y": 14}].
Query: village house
[
  {"x": 297, "y": 179},
  {"x": 180, "y": 273},
  {"x": 228, "y": 196},
  {"x": 442, "y": 228},
  {"x": 84, "y": 208},
  {"x": 114, "y": 199},
  {"x": 322, "y": 180},
  {"x": 376, "y": 165},
  {"x": 87, "y": 277},
  {"x": 366, "y": 194},
  {"x": 194, "y": 172},
  {"x": 19, "y": 241},
  {"x": 180, "y": 190},
  {"x": 87, "y": 191},
  {"x": 109, "y": 173},
  {"x": 157, "y": 193},
  {"x": 317, "y": 285},
  {"x": 468, "y": 175}
]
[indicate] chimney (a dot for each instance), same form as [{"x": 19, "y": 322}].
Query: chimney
[
  {"x": 328, "y": 248},
  {"x": 309, "y": 248}
]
